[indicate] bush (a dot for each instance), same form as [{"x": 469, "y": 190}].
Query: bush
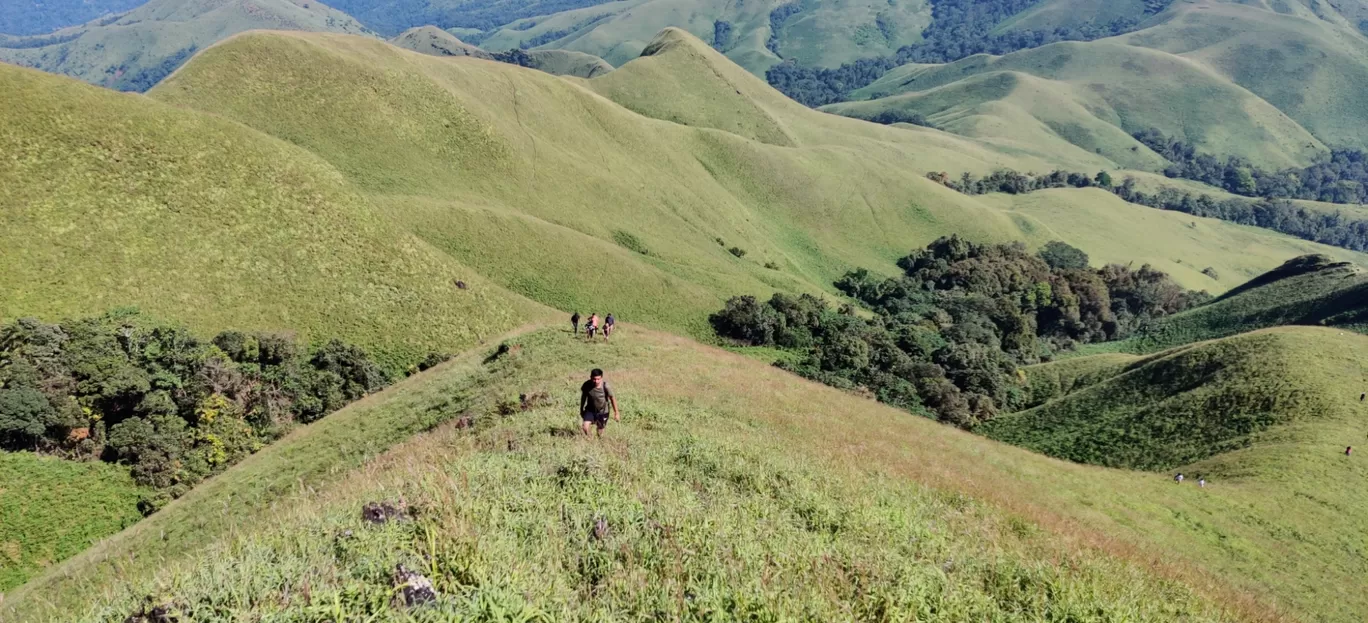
[
  {"x": 950, "y": 334},
  {"x": 628, "y": 241},
  {"x": 1063, "y": 256},
  {"x": 737, "y": 251},
  {"x": 176, "y": 409}
]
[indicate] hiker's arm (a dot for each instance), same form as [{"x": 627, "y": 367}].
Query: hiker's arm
[
  {"x": 584, "y": 400},
  {"x": 616, "y": 416}
]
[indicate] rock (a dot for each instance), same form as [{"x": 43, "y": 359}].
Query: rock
[
  {"x": 378, "y": 513},
  {"x": 414, "y": 589},
  {"x": 530, "y": 401},
  {"x": 461, "y": 285},
  {"x": 149, "y": 613}
]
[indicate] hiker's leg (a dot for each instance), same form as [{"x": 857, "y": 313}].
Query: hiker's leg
[{"x": 585, "y": 427}]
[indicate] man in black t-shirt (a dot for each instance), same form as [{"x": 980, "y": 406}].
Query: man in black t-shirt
[{"x": 595, "y": 399}]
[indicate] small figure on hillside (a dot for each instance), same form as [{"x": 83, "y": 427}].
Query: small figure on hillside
[
  {"x": 1349, "y": 451},
  {"x": 1201, "y": 481},
  {"x": 608, "y": 325},
  {"x": 595, "y": 399},
  {"x": 591, "y": 325},
  {"x": 574, "y": 322},
  {"x": 1362, "y": 396},
  {"x": 1179, "y": 478}
]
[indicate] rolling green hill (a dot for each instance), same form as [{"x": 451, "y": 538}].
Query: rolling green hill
[
  {"x": 437, "y": 42},
  {"x": 645, "y": 183},
  {"x": 134, "y": 50},
  {"x": 1310, "y": 290},
  {"x": 491, "y": 166},
  {"x": 113, "y": 199},
  {"x": 822, "y": 34},
  {"x": 1093, "y": 96},
  {"x": 1274, "y": 83},
  {"x": 751, "y": 488}
]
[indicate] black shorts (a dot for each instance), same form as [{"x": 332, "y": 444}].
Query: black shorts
[{"x": 599, "y": 419}]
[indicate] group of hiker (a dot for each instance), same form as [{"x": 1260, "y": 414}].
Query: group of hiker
[
  {"x": 591, "y": 326},
  {"x": 1201, "y": 480}
]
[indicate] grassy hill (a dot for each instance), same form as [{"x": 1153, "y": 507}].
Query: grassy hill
[
  {"x": 1093, "y": 96},
  {"x": 1274, "y": 84},
  {"x": 437, "y": 42},
  {"x": 36, "y": 18},
  {"x": 52, "y": 509},
  {"x": 134, "y": 50},
  {"x": 1311, "y": 290},
  {"x": 1195, "y": 402},
  {"x": 749, "y": 487},
  {"x": 823, "y": 34},
  {"x": 491, "y": 166},
  {"x": 197, "y": 218},
  {"x": 434, "y": 41}
]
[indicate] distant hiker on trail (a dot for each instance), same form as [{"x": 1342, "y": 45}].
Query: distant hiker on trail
[
  {"x": 1349, "y": 451},
  {"x": 595, "y": 398},
  {"x": 1201, "y": 481},
  {"x": 1179, "y": 478},
  {"x": 591, "y": 325},
  {"x": 574, "y": 322},
  {"x": 608, "y": 326}
]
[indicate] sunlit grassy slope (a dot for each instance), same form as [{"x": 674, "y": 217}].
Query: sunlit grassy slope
[
  {"x": 821, "y": 33},
  {"x": 1275, "y": 83},
  {"x": 1311, "y": 290},
  {"x": 111, "y": 199},
  {"x": 611, "y": 195},
  {"x": 134, "y": 50},
  {"x": 730, "y": 489},
  {"x": 1093, "y": 96},
  {"x": 437, "y": 42},
  {"x": 52, "y": 509}
]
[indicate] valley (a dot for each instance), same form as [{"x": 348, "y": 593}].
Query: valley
[{"x": 283, "y": 324}]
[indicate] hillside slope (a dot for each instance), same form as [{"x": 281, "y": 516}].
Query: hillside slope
[
  {"x": 753, "y": 488},
  {"x": 133, "y": 51},
  {"x": 645, "y": 184},
  {"x": 1310, "y": 290},
  {"x": 111, "y": 199},
  {"x": 1195, "y": 402},
  {"x": 1274, "y": 83},
  {"x": 1077, "y": 90},
  {"x": 822, "y": 34}
]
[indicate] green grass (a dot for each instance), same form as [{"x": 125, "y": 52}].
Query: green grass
[
  {"x": 710, "y": 510},
  {"x": 1312, "y": 290},
  {"x": 52, "y": 509},
  {"x": 824, "y": 34},
  {"x": 745, "y": 488},
  {"x": 147, "y": 40},
  {"x": 115, "y": 200},
  {"x": 437, "y": 42},
  {"x": 1179, "y": 406},
  {"x": 1263, "y": 50},
  {"x": 526, "y": 178},
  {"x": 1093, "y": 96}
]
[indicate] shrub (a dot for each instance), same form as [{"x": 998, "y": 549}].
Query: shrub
[{"x": 737, "y": 251}]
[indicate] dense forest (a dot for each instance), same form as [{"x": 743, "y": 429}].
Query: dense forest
[
  {"x": 950, "y": 334},
  {"x": 1281, "y": 215},
  {"x": 959, "y": 28},
  {"x": 1340, "y": 178},
  {"x": 127, "y": 389}
]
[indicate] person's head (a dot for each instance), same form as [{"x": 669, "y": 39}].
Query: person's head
[{"x": 596, "y": 375}]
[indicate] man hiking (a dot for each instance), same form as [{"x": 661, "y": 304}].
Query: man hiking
[
  {"x": 591, "y": 325},
  {"x": 574, "y": 322},
  {"x": 608, "y": 325},
  {"x": 595, "y": 398}
]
